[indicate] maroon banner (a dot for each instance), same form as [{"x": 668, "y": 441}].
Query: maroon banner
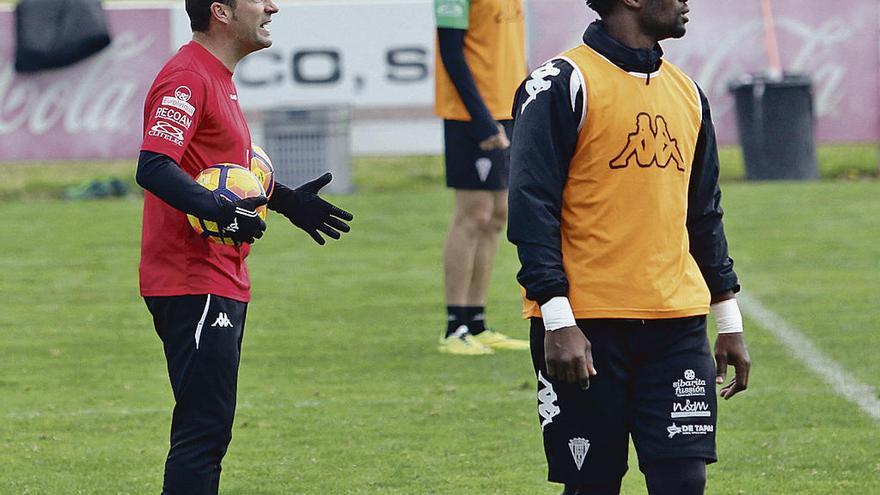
[
  {"x": 93, "y": 109},
  {"x": 836, "y": 43}
]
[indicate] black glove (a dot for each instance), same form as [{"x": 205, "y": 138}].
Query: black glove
[
  {"x": 305, "y": 209},
  {"x": 239, "y": 219}
]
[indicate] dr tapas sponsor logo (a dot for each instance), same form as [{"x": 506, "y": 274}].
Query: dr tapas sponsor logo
[
  {"x": 690, "y": 385},
  {"x": 696, "y": 409},
  {"x": 674, "y": 430}
]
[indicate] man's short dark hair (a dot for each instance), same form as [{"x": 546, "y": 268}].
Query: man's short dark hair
[
  {"x": 602, "y": 7},
  {"x": 199, "y": 12}
]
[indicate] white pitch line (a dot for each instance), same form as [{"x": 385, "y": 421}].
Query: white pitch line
[{"x": 840, "y": 380}]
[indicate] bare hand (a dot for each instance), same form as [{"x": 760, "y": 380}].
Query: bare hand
[
  {"x": 569, "y": 356},
  {"x": 730, "y": 349},
  {"x": 497, "y": 142}
]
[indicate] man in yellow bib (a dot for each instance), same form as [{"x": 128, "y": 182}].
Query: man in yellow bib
[
  {"x": 615, "y": 212},
  {"x": 480, "y": 61}
]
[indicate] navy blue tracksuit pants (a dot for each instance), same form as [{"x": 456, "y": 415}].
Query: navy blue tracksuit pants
[{"x": 201, "y": 335}]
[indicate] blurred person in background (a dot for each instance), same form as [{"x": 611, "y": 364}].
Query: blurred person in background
[
  {"x": 615, "y": 211},
  {"x": 197, "y": 290},
  {"x": 480, "y": 61}
]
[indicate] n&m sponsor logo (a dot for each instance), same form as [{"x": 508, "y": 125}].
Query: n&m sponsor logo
[{"x": 688, "y": 409}]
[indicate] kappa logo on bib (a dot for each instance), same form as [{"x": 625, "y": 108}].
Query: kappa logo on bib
[{"x": 650, "y": 144}]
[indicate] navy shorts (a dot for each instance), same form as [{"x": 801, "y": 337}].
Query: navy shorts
[
  {"x": 469, "y": 167},
  {"x": 655, "y": 381}
]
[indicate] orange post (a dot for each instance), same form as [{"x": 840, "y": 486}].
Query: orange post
[{"x": 770, "y": 41}]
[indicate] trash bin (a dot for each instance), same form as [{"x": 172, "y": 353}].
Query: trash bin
[
  {"x": 776, "y": 126},
  {"x": 305, "y": 143}
]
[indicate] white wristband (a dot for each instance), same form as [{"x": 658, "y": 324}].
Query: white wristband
[
  {"x": 557, "y": 314},
  {"x": 728, "y": 316}
]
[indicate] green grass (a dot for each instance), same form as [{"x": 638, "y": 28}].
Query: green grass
[
  {"x": 341, "y": 388},
  {"x": 45, "y": 180}
]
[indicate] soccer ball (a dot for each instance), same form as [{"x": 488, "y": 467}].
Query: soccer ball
[
  {"x": 233, "y": 182},
  {"x": 261, "y": 166}
]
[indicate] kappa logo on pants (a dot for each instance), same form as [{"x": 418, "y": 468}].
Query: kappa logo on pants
[
  {"x": 547, "y": 398},
  {"x": 222, "y": 321}
]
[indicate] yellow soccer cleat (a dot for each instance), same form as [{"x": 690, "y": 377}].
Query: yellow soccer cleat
[
  {"x": 462, "y": 343},
  {"x": 496, "y": 340}
]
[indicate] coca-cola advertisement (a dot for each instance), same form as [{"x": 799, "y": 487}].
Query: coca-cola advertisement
[
  {"x": 836, "y": 43},
  {"x": 94, "y": 108},
  {"x": 91, "y": 110}
]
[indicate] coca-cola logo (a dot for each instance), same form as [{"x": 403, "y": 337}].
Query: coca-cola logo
[
  {"x": 812, "y": 48},
  {"x": 97, "y": 97},
  {"x": 183, "y": 93}
]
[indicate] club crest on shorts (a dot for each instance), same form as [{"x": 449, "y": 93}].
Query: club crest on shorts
[
  {"x": 484, "y": 166},
  {"x": 546, "y": 402},
  {"x": 579, "y": 448}
]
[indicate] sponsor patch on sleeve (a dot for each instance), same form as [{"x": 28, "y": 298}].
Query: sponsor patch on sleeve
[
  {"x": 171, "y": 101},
  {"x": 173, "y": 115},
  {"x": 167, "y": 131},
  {"x": 452, "y": 14}
]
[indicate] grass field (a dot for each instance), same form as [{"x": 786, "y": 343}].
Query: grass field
[{"x": 341, "y": 388}]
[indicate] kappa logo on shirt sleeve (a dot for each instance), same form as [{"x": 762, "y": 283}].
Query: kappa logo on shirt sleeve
[{"x": 538, "y": 83}]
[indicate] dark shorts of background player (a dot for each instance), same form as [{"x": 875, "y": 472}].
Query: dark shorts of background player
[
  {"x": 655, "y": 381},
  {"x": 201, "y": 336},
  {"x": 470, "y": 168}
]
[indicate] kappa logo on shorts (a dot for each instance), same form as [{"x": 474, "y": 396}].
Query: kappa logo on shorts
[
  {"x": 483, "y": 166},
  {"x": 222, "y": 321},
  {"x": 537, "y": 84},
  {"x": 674, "y": 429},
  {"x": 579, "y": 448},
  {"x": 547, "y": 398}
]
